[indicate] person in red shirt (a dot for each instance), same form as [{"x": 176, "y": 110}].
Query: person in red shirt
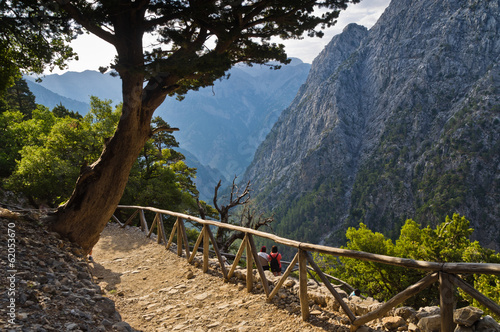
[{"x": 275, "y": 261}]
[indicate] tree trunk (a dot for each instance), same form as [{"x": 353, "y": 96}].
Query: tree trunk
[{"x": 100, "y": 186}]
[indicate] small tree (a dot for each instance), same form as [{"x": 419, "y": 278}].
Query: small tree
[
  {"x": 18, "y": 98},
  {"x": 247, "y": 217},
  {"x": 160, "y": 178}
]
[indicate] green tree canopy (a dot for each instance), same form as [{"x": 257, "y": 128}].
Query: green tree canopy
[
  {"x": 34, "y": 35},
  {"x": 52, "y": 149},
  {"x": 448, "y": 242},
  {"x": 61, "y": 111}
]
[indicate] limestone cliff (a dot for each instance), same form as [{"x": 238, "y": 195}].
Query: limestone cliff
[{"x": 401, "y": 121}]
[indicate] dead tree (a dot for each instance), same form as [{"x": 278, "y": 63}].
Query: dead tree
[
  {"x": 247, "y": 220},
  {"x": 224, "y": 237}
]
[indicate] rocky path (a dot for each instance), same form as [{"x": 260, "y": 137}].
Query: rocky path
[{"x": 155, "y": 290}]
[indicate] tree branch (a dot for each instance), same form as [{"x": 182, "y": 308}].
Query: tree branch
[
  {"x": 163, "y": 128},
  {"x": 85, "y": 22}
]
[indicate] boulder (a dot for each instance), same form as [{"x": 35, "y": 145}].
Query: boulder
[
  {"x": 393, "y": 322},
  {"x": 289, "y": 283},
  {"x": 428, "y": 311},
  {"x": 240, "y": 274},
  {"x": 332, "y": 303},
  {"x": 467, "y": 316},
  {"x": 487, "y": 324},
  {"x": 365, "y": 306},
  {"x": 430, "y": 323},
  {"x": 406, "y": 312},
  {"x": 413, "y": 327},
  {"x": 318, "y": 297}
]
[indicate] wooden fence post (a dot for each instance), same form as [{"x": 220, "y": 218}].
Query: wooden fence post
[
  {"x": 487, "y": 302},
  {"x": 153, "y": 225},
  {"x": 259, "y": 266},
  {"x": 332, "y": 290},
  {"x": 196, "y": 246},
  {"x": 446, "y": 302},
  {"x": 184, "y": 237},
  {"x": 396, "y": 300},
  {"x": 172, "y": 234},
  {"x": 144, "y": 224},
  {"x": 158, "y": 229},
  {"x": 179, "y": 237},
  {"x": 162, "y": 228},
  {"x": 129, "y": 220},
  {"x": 249, "y": 267},
  {"x": 217, "y": 252},
  {"x": 206, "y": 247},
  {"x": 238, "y": 257},
  {"x": 304, "y": 299},
  {"x": 284, "y": 277},
  {"x": 117, "y": 220}
]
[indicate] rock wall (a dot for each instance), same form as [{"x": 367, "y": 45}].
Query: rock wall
[{"x": 401, "y": 121}]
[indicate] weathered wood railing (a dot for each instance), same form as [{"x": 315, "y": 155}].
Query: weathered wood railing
[{"x": 445, "y": 273}]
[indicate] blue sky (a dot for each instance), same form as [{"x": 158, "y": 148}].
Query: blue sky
[{"x": 94, "y": 52}]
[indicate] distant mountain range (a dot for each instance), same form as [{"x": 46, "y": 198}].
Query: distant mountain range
[
  {"x": 220, "y": 126},
  {"x": 399, "y": 121}
]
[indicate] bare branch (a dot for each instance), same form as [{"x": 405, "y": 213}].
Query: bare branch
[
  {"x": 201, "y": 209},
  {"x": 215, "y": 197}
]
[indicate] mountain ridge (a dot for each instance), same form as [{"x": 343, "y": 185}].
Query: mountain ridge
[{"x": 397, "y": 122}]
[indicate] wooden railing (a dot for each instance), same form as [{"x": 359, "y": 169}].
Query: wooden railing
[{"x": 445, "y": 273}]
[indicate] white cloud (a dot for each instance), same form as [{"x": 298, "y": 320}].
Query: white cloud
[{"x": 94, "y": 52}]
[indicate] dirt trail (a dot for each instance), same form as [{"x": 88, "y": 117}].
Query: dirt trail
[{"x": 155, "y": 290}]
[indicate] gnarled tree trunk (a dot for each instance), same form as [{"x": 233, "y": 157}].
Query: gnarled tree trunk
[{"x": 100, "y": 186}]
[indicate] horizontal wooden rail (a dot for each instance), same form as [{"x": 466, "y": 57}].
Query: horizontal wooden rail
[
  {"x": 481, "y": 268},
  {"x": 444, "y": 273}
]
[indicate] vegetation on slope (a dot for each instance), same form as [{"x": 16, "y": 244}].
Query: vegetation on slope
[
  {"x": 45, "y": 152},
  {"x": 447, "y": 242}
]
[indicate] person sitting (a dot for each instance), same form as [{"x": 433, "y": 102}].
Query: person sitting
[
  {"x": 264, "y": 258},
  {"x": 275, "y": 261}
]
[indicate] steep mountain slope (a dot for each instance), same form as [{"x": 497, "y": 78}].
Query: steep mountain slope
[
  {"x": 402, "y": 121},
  {"x": 224, "y": 126}
]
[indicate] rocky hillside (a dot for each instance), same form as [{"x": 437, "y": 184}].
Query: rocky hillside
[
  {"x": 401, "y": 121},
  {"x": 47, "y": 283}
]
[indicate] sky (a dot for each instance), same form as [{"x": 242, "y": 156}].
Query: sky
[{"x": 93, "y": 52}]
